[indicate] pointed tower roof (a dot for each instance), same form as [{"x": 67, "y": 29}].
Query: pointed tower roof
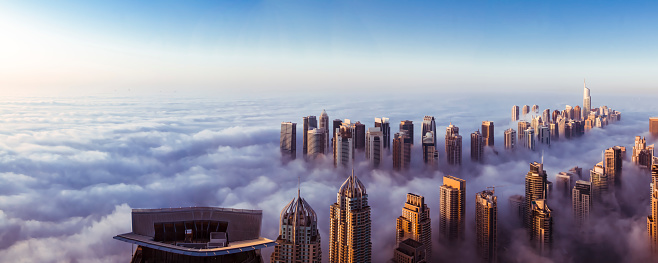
[{"x": 352, "y": 187}]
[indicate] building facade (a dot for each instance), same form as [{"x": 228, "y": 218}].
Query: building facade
[
  {"x": 310, "y": 122},
  {"x": 386, "y": 131},
  {"x": 415, "y": 224},
  {"x": 515, "y": 113},
  {"x": 581, "y": 200},
  {"x": 452, "y": 196},
  {"x": 288, "y": 141},
  {"x": 350, "y": 224},
  {"x": 429, "y": 125},
  {"x": 374, "y": 146},
  {"x": 299, "y": 238},
  {"x": 343, "y": 147},
  {"x": 324, "y": 126},
  {"x": 488, "y": 133},
  {"x": 407, "y": 127},
  {"x": 453, "y": 145},
  {"x": 401, "y": 151},
  {"x": 477, "y": 147},
  {"x": 541, "y": 233},
  {"x": 535, "y": 189},
  {"x": 510, "y": 139},
  {"x": 486, "y": 230},
  {"x": 430, "y": 154}
]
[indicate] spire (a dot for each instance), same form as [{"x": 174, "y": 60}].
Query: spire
[{"x": 299, "y": 186}]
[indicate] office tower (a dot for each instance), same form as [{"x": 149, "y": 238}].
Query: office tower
[
  {"x": 415, "y": 224},
  {"x": 568, "y": 129},
  {"x": 581, "y": 200},
  {"x": 343, "y": 147},
  {"x": 408, "y": 128},
  {"x": 488, "y": 133},
  {"x": 515, "y": 113},
  {"x": 453, "y": 145},
  {"x": 196, "y": 234},
  {"x": 613, "y": 162},
  {"x": 642, "y": 154},
  {"x": 452, "y": 195},
  {"x": 569, "y": 112},
  {"x": 556, "y": 113},
  {"x": 517, "y": 204},
  {"x": 350, "y": 224},
  {"x": 525, "y": 110},
  {"x": 401, "y": 151},
  {"x": 477, "y": 147},
  {"x": 576, "y": 171},
  {"x": 430, "y": 154},
  {"x": 652, "y": 225},
  {"x": 554, "y": 131},
  {"x": 535, "y": 108},
  {"x": 386, "y": 131},
  {"x": 289, "y": 140},
  {"x": 309, "y": 123},
  {"x": 523, "y": 125},
  {"x": 561, "y": 127},
  {"x": 335, "y": 125},
  {"x": 486, "y": 213},
  {"x": 316, "y": 143},
  {"x": 429, "y": 125},
  {"x": 653, "y": 126},
  {"x": 324, "y": 126},
  {"x": 536, "y": 122},
  {"x": 546, "y": 116},
  {"x": 358, "y": 131},
  {"x": 374, "y": 146},
  {"x": 529, "y": 136},
  {"x": 587, "y": 101},
  {"x": 541, "y": 233},
  {"x": 600, "y": 183},
  {"x": 535, "y": 189},
  {"x": 510, "y": 139},
  {"x": 577, "y": 113},
  {"x": 409, "y": 251},
  {"x": 299, "y": 238},
  {"x": 563, "y": 184},
  {"x": 544, "y": 135}
]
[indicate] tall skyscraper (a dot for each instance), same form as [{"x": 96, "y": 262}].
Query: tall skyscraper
[
  {"x": 652, "y": 225},
  {"x": 587, "y": 101},
  {"x": 358, "y": 131},
  {"x": 569, "y": 112},
  {"x": 350, "y": 224},
  {"x": 452, "y": 195},
  {"x": 374, "y": 146},
  {"x": 335, "y": 125},
  {"x": 642, "y": 154},
  {"x": 555, "y": 133},
  {"x": 477, "y": 147},
  {"x": 289, "y": 140},
  {"x": 324, "y": 126},
  {"x": 409, "y": 251},
  {"x": 386, "y": 131},
  {"x": 401, "y": 151},
  {"x": 510, "y": 138},
  {"x": 653, "y": 126},
  {"x": 581, "y": 200},
  {"x": 541, "y": 233},
  {"x": 529, "y": 136},
  {"x": 536, "y": 122},
  {"x": 563, "y": 184},
  {"x": 488, "y": 133},
  {"x": 613, "y": 162},
  {"x": 515, "y": 113},
  {"x": 523, "y": 125},
  {"x": 600, "y": 182},
  {"x": 577, "y": 113},
  {"x": 429, "y": 125},
  {"x": 517, "y": 204},
  {"x": 525, "y": 110},
  {"x": 415, "y": 223},
  {"x": 343, "y": 149},
  {"x": 546, "y": 116},
  {"x": 556, "y": 113},
  {"x": 453, "y": 145},
  {"x": 309, "y": 123},
  {"x": 408, "y": 128},
  {"x": 486, "y": 230},
  {"x": 535, "y": 108},
  {"x": 430, "y": 154},
  {"x": 544, "y": 135},
  {"x": 316, "y": 143},
  {"x": 535, "y": 189},
  {"x": 299, "y": 238}
]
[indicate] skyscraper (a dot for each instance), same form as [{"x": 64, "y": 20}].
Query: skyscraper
[
  {"x": 486, "y": 230},
  {"x": 600, "y": 182},
  {"x": 452, "y": 196},
  {"x": 335, "y": 125},
  {"x": 309, "y": 123},
  {"x": 577, "y": 113},
  {"x": 386, "y": 131},
  {"x": 350, "y": 224},
  {"x": 587, "y": 101},
  {"x": 316, "y": 143},
  {"x": 374, "y": 146},
  {"x": 430, "y": 154},
  {"x": 299, "y": 238},
  {"x": 477, "y": 147},
  {"x": 358, "y": 131},
  {"x": 401, "y": 151},
  {"x": 429, "y": 125},
  {"x": 324, "y": 126},
  {"x": 581, "y": 200},
  {"x": 541, "y": 233},
  {"x": 525, "y": 110},
  {"x": 535, "y": 189},
  {"x": 544, "y": 135},
  {"x": 563, "y": 184},
  {"x": 652, "y": 225},
  {"x": 409, "y": 251},
  {"x": 289, "y": 140},
  {"x": 408, "y": 128},
  {"x": 515, "y": 113},
  {"x": 343, "y": 149},
  {"x": 453, "y": 145},
  {"x": 546, "y": 116},
  {"x": 415, "y": 223},
  {"x": 529, "y": 136},
  {"x": 642, "y": 153},
  {"x": 523, "y": 125},
  {"x": 488, "y": 133},
  {"x": 569, "y": 112},
  {"x": 510, "y": 138},
  {"x": 535, "y": 108},
  {"x": 613, "y": 162},
  {"x": 653, "y": 126}
]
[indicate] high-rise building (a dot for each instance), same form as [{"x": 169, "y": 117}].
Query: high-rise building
[
  {"x": 429, "y": 125},
  {"x": 358, "y": 131},
  {"x": 536, "y": 122},
  {"x": 515, "y": 113},
  {"x": 386, "y": 131},
  {"x": 577, "y": 113},
  {"x": 289, "y": 140},
  {"x": 510, "y": 138},
  {"x": 374, "y": 146},
  {"x": 335, "y": 125},
  {"x": 569, "y": 112},
  {"x": 452, "y": 196},
  {"x": 525, "y": 110},
  {"x": 535, "y": 189},
  {"x": 453, "y": 145},
  {"x": 556, "y": 113},
  {"x": 488, "y": 133},
  {"x": 642, "y": 154},
  {"x": 653, "y": 126},
  {"x": 581, "y": 200},
  {"x": 546, "y": 116},
  {"x": 486, "y": 230},
  {"x": 350, "y": 224},
  {"x": 587, "y": 101},
  {"x": 523, "y": 125},
  {"x": 401, "y": 151},
  {"x": 477, "y": 147},
  {"x": 415, "y": 224},
  {"x": 409, "y": 251},
  {"x": 343, "y": 149},
  {"x": 613, "y": 162},
  {"x": 316, "y": 143},
  {"x": 408, "y": 128},
  {"x": 324, "y": 126},
  {"x": 652, "y": 225},
  {"x": 517, "y": 204},
  {"x": 529, "y": 136},
  {"x": 541, "y": 233},
  {"x": 535, "y": 108},
  {"x": 430, "y": 154},
  {"x": 561, "y": 128},
  {"x": 299, "y": 238},
  {"x": 600, "y": 182},
  {"x": 309, "y": 123},
  {"x": 563, "y": 184},
  {"x": 555, "y": 133},
  {"x": 544, "y": 135}
]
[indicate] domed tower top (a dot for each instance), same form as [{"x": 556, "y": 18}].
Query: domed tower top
[
  {"x": 353, "y": 188},
  {"x": 298, "y": 213}
]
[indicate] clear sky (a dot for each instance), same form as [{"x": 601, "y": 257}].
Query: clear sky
[{"x": 242, "y": 47}]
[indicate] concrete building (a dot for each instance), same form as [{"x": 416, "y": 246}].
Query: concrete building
[
  {"x": 324, "y": 126},
  {"x": 529, "y": 136},
  {"x": 544, "y": 135},
  {"x": 299, "y": 238},
  {"x": 430, "y": 154},
  {"x": 581, "y": 200},
  {"x": 453, "y": 145},
  {"x": 541, "y": 233},
  {"x": 310, "y": 122},
  {"x": 612, "y": 160},
  {"x": 343, "y": 147},
  {"x": 522, "y": 126},
  {"x": 653, "y": 126},
  {"x": 415, "y": 224},
  {"x": 386, "y": 131},
  {"x": 535, "y": 108},
  {"x": 350, "y": 224},
  {"x": 515, "y": 113},
  {"x": 477, "y": 147},
  {"x": 652, "y": 225},
  {"x": 587, "y": 101},
  {"x": 488, "y": 133},
  {"x": 452, "y": 196},
  {"x": 407, "y": 127},
  {"x": 577, "y": 113},
  {"x": 535, "y": 189},
  {"x": 555, "y": 133},
  {"x": 600, "y": 182},
  {"x": 525, "y": 110},
  {"x": 374, "y": 146},
  {"x": 401, "y": 151},
  {"x": 288, "y": 141},
  {"x": 510, "y": 138},
  {"x": 486, "y": 230},
  {"x": 563, "y": 182},
  {"x": 429, "y": 125},
  {"x": 642, "y": 154},
  {"x": 546, "y": 116},
  {"x": 358, "y": 132},
  {"x": 409, "y": 251},
  {"x": 316, "y": 143}
]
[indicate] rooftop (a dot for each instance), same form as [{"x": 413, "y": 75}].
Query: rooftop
[{"x": 233, "y": 247}]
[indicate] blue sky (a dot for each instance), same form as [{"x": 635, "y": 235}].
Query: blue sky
[{"x": 233, "y": 47}]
